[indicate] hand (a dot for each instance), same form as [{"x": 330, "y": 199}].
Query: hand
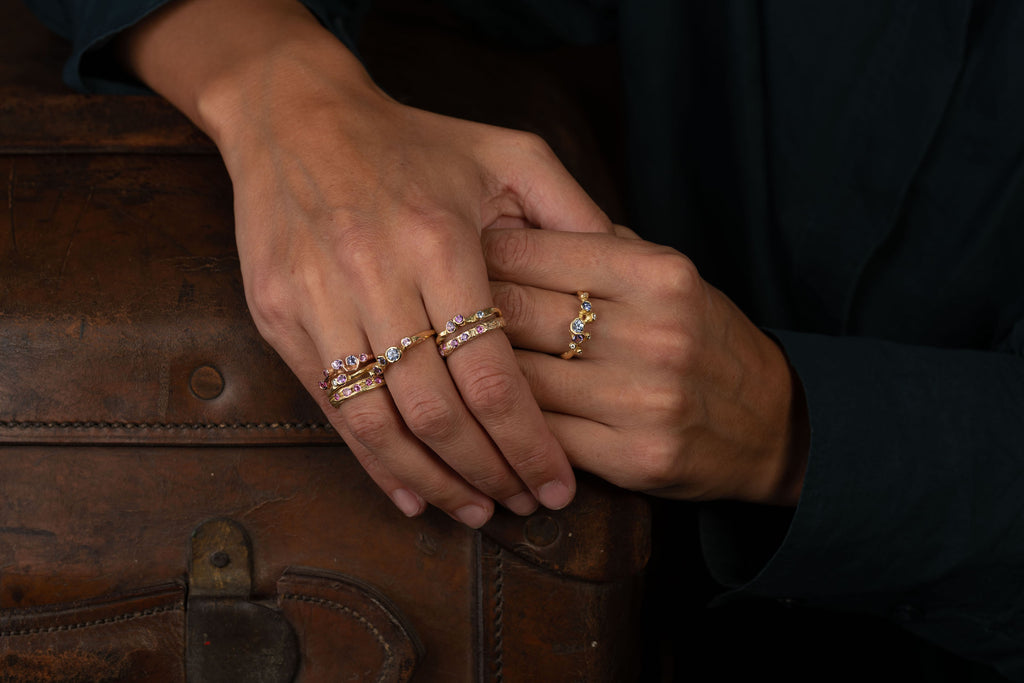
[
  {"x": 676, "y": 393},
  {"x": 358, "y": 220}
]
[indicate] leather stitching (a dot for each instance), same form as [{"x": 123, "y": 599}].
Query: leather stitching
[
  {"x": 96, "y": 622},
  {"x": 367, "y": 624}
]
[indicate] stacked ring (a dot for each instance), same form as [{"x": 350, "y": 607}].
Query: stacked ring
[
  {"x": 358, "y": 373},
  {"x": 337, "y": 375},
  {"x": 364, "y": 379},
  {"x": 579, "y": 335},
  {"x": 453, "y": 325},
  {"x": 447, "y": 347}
]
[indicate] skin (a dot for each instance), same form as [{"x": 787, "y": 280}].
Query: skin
[
  {"x": 358, "y": 223},
  {"x": 677, "y": 394}
]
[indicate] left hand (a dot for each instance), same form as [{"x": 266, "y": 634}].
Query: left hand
[{"x": 677, "y": 393}]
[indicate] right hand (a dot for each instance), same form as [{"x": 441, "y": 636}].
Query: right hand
[{"x": 358, "y": 223}]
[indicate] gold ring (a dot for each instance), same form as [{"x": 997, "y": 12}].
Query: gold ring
[
  {"x": 577, "y": 327},
  {"x": 358, "y": 386},
  {"x": 393, "y": 354},
  {"x": 447, "y": 348},
  {"x": 340, "y": 369},
  {"x": 453, "y": 325}
]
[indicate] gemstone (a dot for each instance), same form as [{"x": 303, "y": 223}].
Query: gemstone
[
  {"x": 572, "y": 346},
  {"x": 346, "y": 392},
  {"x": 335, "y": 364},
  {"x": 480, "y": 329},
  {"x": 377, "y": 380},
  {"x": 323, "y": 385},
  {"x": 453, "y": 343},
  {"x": 584, "y": 295},
  {"x": 363, "y": 358},
  {"x": 339, "y": 380},
  {"x": 586, "y": 306},
  {"x": 449, "y": 326},
  {"x": 578, "y": 337},
  {"x": 368, "y": 383},
  {"x": 464, "y": 337},
  {"x": 480, "y": 315},
  {"x": 351, "y": 360},
  {"x": 406, "y": 341},
  {"x": 459, "y": 319},
  {"x": 393, "y": 354},
  {"x": 356, "y": 388},
  {"x": 576, "y": 326}
]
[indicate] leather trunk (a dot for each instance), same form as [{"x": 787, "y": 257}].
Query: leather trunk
[{"x": 173, "y": 505}]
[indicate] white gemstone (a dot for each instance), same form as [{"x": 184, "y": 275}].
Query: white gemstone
[
  {"x": 393, "y": 354},
  {"x": 576, "y": 326}
]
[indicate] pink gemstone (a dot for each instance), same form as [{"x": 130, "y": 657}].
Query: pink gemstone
[
  {"x": 356, "y": 388},
  {"x": 323, "y": 385},
  {"x": 480, "y": 329},
  {"x": 377, "y": 380},
  {"x": 362, "y": 358},
  {"x": 406, "y": 341},
  {"x": 346, "y": 392}
]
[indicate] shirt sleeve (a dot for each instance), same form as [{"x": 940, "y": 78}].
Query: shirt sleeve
[
  {"x": 90, "y": 25},
  {"x": 913, "y": 501}
]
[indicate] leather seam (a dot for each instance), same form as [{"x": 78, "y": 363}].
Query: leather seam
[
  {"x": 196, "y": 426},
  {"x": 367, "y": 624},
  {"x": 499, "y": 617},
  {"x": 97, "y": 622}
]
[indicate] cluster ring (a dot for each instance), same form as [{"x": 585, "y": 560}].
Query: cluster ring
[{"x": 577, "y": 327}]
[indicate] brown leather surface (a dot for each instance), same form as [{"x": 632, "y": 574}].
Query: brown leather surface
[
  {"x": 134, "y": 637},
  {"x": 138, "y": 401}
]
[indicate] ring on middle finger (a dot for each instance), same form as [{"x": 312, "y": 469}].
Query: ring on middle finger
[
  {"x": 393, "y": 354},
  {"x": 577, "y": 327}
]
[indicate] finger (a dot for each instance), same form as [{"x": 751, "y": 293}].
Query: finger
[
  {"x": 595, "y": 448},
  {"x": 392, "y": 456},
  {"x": 495, "y": 392},
  {"x": 550, "y": 197},
  {"x": 603, "y": 265},
  {"x": 574, "y": 388},
  {"x": 550, "y": 322}
]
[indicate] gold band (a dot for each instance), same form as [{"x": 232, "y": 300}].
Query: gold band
[
  {"x": 340, "y": 370},
  {"x": 393, "y": 354},
  {"x": 447, "y": 348},
  {"x": 578, "y": 334},
  {"x": 459, "y": 321},
  {"x": 356, "y": 388}
]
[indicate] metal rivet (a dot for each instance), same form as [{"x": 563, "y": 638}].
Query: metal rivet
[
  {"x": 541, "y": 531},
  {"x": 206, "y": 382},
  {"x": 220, "y": 559}
]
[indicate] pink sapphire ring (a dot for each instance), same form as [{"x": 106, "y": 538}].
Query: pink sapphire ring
[
  {"x": 446, "y": 347},
  {"x": 453, "y": 326},
  {"x": 578, "y": 334}
]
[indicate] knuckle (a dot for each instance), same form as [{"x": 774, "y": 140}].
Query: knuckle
[
  {"x": 490, "y": 391},
  {"x": 372, "y": 427},
  {"x": 672, "y": 273},
  {"x": 656, "y": 462},
  {"x": 271, "y": 306},
  {"x": 510, "y": 249},
  {"x": 513, "y": 302},
  {"x": 533, "y": 145},
  {"x": 432, "y": 418}
]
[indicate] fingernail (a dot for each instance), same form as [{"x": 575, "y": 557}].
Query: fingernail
[
  {"x": 472, "y": 516},
  {"x": 554, "y": 495},
  {"x": 407, "y": 501},
  {"x": 522, "y": 503}
]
